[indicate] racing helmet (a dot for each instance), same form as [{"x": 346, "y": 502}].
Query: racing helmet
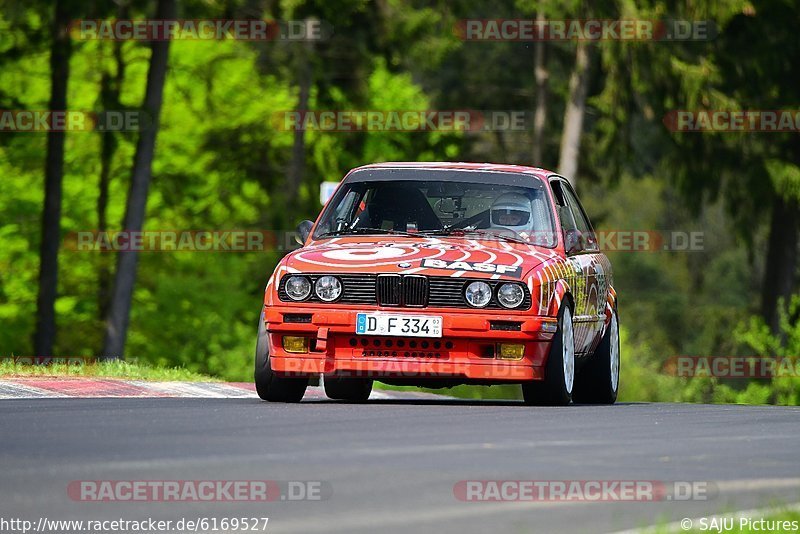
[{"x": 511, "y": 211}]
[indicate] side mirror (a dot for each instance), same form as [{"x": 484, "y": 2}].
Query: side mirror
[{"x": 303, "y": 230}]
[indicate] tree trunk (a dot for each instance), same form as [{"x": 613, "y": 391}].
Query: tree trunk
[
  {"x": 298, "y": 164},
  {"x": 110, "y": 97},
  {"x": 573, "y": 116},
  {"x": 122, "y": 293},
  {"x": 542, "y": 76},
  {"x": 60, "y": 52},
  {"x": 781, "y": 266}
]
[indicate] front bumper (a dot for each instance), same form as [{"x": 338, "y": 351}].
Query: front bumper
[{"x": 466, "y": 351}]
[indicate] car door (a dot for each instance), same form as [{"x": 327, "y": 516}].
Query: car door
[{"x": 588, "y": 283}]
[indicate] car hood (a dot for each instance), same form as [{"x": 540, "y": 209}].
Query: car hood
[{"x": 453, "y": 257}]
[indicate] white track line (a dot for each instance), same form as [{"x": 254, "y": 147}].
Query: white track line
[
  {"x": 16, "y": 390},
  {"x": 12, "y": 389},
  {"x": 206, "y": 390}
]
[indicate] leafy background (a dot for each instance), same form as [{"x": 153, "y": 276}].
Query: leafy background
[{"x": 221, "y": 163}]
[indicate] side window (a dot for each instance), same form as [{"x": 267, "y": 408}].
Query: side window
[
  {"x": 346, "y": 206},
  {"x": 588, "y": 239},
  {"x": 342, "y": 212},
  {"x": 564, "y": 211}
]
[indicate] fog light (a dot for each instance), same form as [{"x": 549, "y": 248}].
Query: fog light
[
  {"x": 510, "y": 351},
  {"x": 295, "y": 344}
]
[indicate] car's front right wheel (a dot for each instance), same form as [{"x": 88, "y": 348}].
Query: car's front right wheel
[{"x": 270, "y": 386}]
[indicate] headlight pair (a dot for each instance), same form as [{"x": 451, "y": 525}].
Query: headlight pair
[
  {"x": 479, "y": 294},
  {"x": 327, "y": 288}
]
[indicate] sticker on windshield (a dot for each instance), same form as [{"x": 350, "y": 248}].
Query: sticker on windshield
[{"x": 467, "y": 266}]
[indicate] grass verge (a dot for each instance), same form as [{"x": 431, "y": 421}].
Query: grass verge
[{"x": 111, "y": 369}]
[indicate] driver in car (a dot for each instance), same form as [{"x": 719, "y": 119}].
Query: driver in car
[{"x": 511, "y": 212}]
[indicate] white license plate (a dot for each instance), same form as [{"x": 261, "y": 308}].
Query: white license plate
[{"x": 388, "y": 324}]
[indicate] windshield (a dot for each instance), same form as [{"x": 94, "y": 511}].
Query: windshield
[{"x": 483, "y": 205}]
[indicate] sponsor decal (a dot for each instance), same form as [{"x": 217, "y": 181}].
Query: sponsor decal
[
  {"x": 467, "y": 266},
  {"x": 376, "y": 253}
]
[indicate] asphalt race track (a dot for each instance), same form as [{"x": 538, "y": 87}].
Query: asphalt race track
[{"x": 391, "y": 465}]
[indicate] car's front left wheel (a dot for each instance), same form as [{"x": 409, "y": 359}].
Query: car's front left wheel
[
  {"x": 598, "y": 380},
  {"x": 347, "y": 389},
  {"x": 270, "y": 386}
]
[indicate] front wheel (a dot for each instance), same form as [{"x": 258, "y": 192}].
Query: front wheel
[
  {"x": 269, "y": 386},
  {"x": 559, "y": 372},
  {"x": 598, "y": 380}
]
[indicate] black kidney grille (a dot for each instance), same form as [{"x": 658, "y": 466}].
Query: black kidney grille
[
  {"x": 388, "y": 288},
  {"x": 415, "y": 290},
  {"x": 396, "y": 290}
]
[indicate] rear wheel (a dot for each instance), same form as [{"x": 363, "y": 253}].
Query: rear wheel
[
  {"x": 348, "y": 389},
  {"x": 598, "y": 380},
  {"x": 270, "y": 386},
  {"x": 559, "y": 372}
]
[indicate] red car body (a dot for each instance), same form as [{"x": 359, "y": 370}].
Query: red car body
[{"x": 469, "y": 349}]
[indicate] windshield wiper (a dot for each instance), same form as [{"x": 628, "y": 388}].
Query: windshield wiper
[
  {"x": 452, "y": 230},
  {"x": 362, "y": 231},
  {"x": 448, "y": 230}
]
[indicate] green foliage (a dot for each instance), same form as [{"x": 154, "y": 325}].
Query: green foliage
[
  {"x": 221, "y": 163},
  {"x": 128, "y": 370}
]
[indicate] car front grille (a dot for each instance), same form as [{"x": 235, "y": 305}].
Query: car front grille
[
  {"x": 397, "y": 290},
  {"x": 394, "y": 290}
]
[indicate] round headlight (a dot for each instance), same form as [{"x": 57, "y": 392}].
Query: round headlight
[
  {"x": 478, "y": 294},
  {"x": 328, "y": 288},
  {"x": 298, "y": 287},
  {"x": 510, "y": 295}
]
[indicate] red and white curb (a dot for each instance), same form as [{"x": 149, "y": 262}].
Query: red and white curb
[{"x": 34, "y": 388}]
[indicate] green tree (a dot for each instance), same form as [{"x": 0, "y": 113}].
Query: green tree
[{"x": 60, "y": 54}]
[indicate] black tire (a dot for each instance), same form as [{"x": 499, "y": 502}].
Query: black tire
[
  {"x": 556, "y": 388},
  {"x": 598, "y": 380},
  {"x": 347, "y": 389},
  {"x": 269, "y": 386}
]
